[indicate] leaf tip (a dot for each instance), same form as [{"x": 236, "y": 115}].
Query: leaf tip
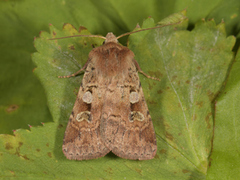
[
  {"x": 33, "y": 69},
  {"x": 81, "y": 28}
]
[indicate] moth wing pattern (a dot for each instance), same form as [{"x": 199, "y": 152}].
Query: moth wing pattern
[{"x": 82, "y": 139}]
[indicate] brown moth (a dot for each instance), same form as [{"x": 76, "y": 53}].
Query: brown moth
[{"x": 110, "y": 112}]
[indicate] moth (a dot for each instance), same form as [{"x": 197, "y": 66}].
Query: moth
[{"x": 110, "y": 112}]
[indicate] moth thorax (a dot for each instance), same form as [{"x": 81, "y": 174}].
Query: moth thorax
[{"x": 110, "y": 37}]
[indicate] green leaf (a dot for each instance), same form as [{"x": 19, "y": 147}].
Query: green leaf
[
  {"x": 192, "y": 67},
  {"x": 225, "y": 157}
]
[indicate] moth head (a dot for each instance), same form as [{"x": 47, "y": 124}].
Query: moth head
[{"x": 110, "y": 37}]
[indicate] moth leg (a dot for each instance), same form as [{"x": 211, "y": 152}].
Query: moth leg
[
  {"x": 76, "y": 73},
  {"x": 141, "y": 71}
]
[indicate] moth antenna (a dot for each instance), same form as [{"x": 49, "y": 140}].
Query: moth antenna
[
  {"x": 125, "y": 34},
  {"x": 78, "y": 36}
]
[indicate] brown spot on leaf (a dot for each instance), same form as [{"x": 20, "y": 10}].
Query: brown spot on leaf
[
  {"x": 150, "y": 86},
  {"x": 159, "y": 91},
  {"x": 18, "y": 151},
  {"x": 81, "y": 28},
  {"x": 12, "y": 108},
  {"x": 109, "y": 170},
  {"x": 38, "y": 150},
  {"x": 25, "y": 157},
  {"x": 188, "y": 82},
  {"x": 60, "y": 126},
  {"x": 20, "y": 144},
  {"x": 167, "y": 126},
  {"x": 199, "y": 103},
  {"x": 207, "y": 119},
  {"x": 185, "y": 171},
  {"x": 49, "y": 154},
  {"x": 210, "y": 162},
  {"x": 47, "y": 144},
  {"x": 169, "y": 136},
  {"x": 173, "y": 78},
  {"x": 198, "y": 68},
  {"x": 155, "y": 74},
  {"x": 71, "y": 47},
  {"x": 33, "y": 69},
  {"x": 54, "y": 33},
  {"x": 163, "y": 151},
  {"x": 152, "y": 102},
  {"x": 156, "y": 157},
  {"x": 8, "y": 146},
  {"x": 75, "y": 91},
  {"x": 198, "y": 86},
  {"x": 210, "y": 95},
  {"x": 138, "y": 170},
  {"x": 194, "y": 117}
]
